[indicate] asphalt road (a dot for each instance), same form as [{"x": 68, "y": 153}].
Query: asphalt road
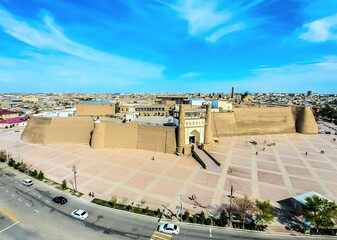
[{"x": 28, "y": 213}]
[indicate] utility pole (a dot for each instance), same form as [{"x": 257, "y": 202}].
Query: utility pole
[
  {"x": 7, "y": 158},
  {"x": 75, "y": 176},
  {"x": 230, "y": 202},
  {"x": 17, "y": 145},
  {"x": 180, "y": 212}
]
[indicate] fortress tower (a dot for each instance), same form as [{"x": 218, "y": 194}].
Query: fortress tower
[
  {"x": 181, "y": 129},
  {"x": 208, "y": 126}
]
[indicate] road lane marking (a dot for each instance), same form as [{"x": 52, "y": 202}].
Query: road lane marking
[
  {"x": 27, "y": 204},
  {"x": 7, "y": 190},
  {"x": 160, "y": 236},
  {"x": 16, "y": 181},
  {"x": 13, "y": 195},
  {"x": 38, "y": 196},
  {"x": 210, "y": 233},
  {"x": 1, "y": 187},
  {"x": 47, "y": 201},
  {"x": 20, "y": 200},
  {"x": 8, "y": 227},
  {"x": 36, "y": 211},
  {"x": 9, "y": 215}
]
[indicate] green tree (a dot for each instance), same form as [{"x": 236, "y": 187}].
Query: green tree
[
  {"x": 40, "y": 176},
  {"x": 114, "y": 200},
  {"x": 64, "y": 184},
  {"x": 265, "y": 213},
  {"x": 320, "y": 212}
]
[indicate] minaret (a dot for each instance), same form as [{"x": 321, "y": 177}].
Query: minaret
[
  {"x": 232, "y": 94},
  {"x": 181, "y": 129},
  {"x": 208, "y": 126}
]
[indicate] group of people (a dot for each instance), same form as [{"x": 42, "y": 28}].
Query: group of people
[{"x": 91, "y": 194}]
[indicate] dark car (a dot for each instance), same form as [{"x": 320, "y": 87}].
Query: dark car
[{"x": 60, "y": 200}]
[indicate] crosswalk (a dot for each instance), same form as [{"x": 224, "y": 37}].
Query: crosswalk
[{"x": 161, "y": 236}]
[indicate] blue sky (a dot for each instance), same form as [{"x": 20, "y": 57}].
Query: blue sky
[{"x": 168, "y": 45}]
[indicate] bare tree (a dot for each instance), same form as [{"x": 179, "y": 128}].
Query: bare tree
[{"x": 243, "y": 207}]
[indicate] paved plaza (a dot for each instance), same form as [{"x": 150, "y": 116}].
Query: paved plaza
[{"x": 263, "y": 171}]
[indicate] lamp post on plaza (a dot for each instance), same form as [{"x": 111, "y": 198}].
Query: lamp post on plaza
[{"x": 230, "y": 201}]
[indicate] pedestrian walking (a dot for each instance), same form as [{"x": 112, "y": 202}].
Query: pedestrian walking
[
  {"x": 89, "y": 194},
  {"x": 92, "y": 194},
  {"x": 306, "y": 153}
]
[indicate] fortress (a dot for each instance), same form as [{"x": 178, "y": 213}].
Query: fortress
[{"x": 241, "y": 121}]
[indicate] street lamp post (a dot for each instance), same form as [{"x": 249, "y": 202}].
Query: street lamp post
[{"x": 230, "y": 202}]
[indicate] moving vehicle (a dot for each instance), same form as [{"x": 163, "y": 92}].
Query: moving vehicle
[
  {"x": 60, "y": 200},
  {"x": 27, "y": 182},
  {"x": 79, "y": 214},
  {"x": 168, "y": 228}
]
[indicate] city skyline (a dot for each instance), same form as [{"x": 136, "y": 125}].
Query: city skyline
[{"x": 168, "y": 46}]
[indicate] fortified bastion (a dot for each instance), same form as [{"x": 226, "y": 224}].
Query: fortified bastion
[{"x": 242, "y": 121}]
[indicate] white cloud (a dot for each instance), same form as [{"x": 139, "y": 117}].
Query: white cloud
[
  {"x": 212, "y": 20},
  {"x": 190, "y": 75},
  {"x": 214, "y": 37},
  {"x": 82, "y": 62},
  {"x": 321, "y": 30},
  {"x": 320, "y": 76}
]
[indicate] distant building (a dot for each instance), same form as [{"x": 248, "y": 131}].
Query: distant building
[
  {"x": 7, "y": 114},
  {"x": 222, "y": 105},
  {"x": 309, "y": 93},
  {"x": 69, "y": 112},
  {"x": 172, "y": 100},
  {"x": 95, "y": 108}
]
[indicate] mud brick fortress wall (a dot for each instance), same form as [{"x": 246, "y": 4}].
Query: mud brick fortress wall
[
  {"x": 44, "y": 130},
  {"x": 133, "y": 135},
  {"x": 95, "y": 109},
  {"x": 243, "y": 121}
]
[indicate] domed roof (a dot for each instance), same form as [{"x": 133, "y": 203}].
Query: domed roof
[{"x": 247, "y": 93}]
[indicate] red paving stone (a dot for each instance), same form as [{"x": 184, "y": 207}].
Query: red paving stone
[
  {"x": 271, "y": 178},
  {"x": 268, "y": 166},
  {"x": 140, "y": 180},
  {"x": 298, "y": 171},
  {"x": 274, "y": 194},
  {"x": 179, "y": 173},
  {"x": 206, "y": 179},
  {"x": 167, "y": 187}
]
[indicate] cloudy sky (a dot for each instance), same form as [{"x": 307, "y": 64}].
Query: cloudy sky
[{"x": 168, "y": 45}]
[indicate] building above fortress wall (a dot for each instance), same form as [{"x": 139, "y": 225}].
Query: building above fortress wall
[
  {"x": 58, "y": 130},
  {"x": 95, "y": 109}
]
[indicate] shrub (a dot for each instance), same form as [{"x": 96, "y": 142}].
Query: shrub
[
  {"x": 150, "y": 213},
  {"x": 186, "y": 215},
  {"x": 64, "y": 184},
  {"x": 129, "y": 208},
  {"x": 157, "y": 212},
  {"x": 114, "y": 200},
  {"x": 40, "y": 176},
  {"x": 136, "y": 210},
  {"x": 11, "y": 162},
  {"x": 145, "y": 210},
  {"x": 193, "y": 219},
  {"x": 34, "y": 173},
  {"x": 207, "y": 221}
]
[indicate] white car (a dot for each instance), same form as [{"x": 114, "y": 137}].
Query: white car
[
  {"x": 79, "y": 214},
  {"x": 168, "y": 228},
  {"x": 27, "y": 182}
]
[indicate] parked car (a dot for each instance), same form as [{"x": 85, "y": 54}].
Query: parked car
[
  {"x": 79, "y": 214},
  {"x": 27, "y": 182},
  {"x": 168, "y": 228},
  {"x": 60, "y": 200}
]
